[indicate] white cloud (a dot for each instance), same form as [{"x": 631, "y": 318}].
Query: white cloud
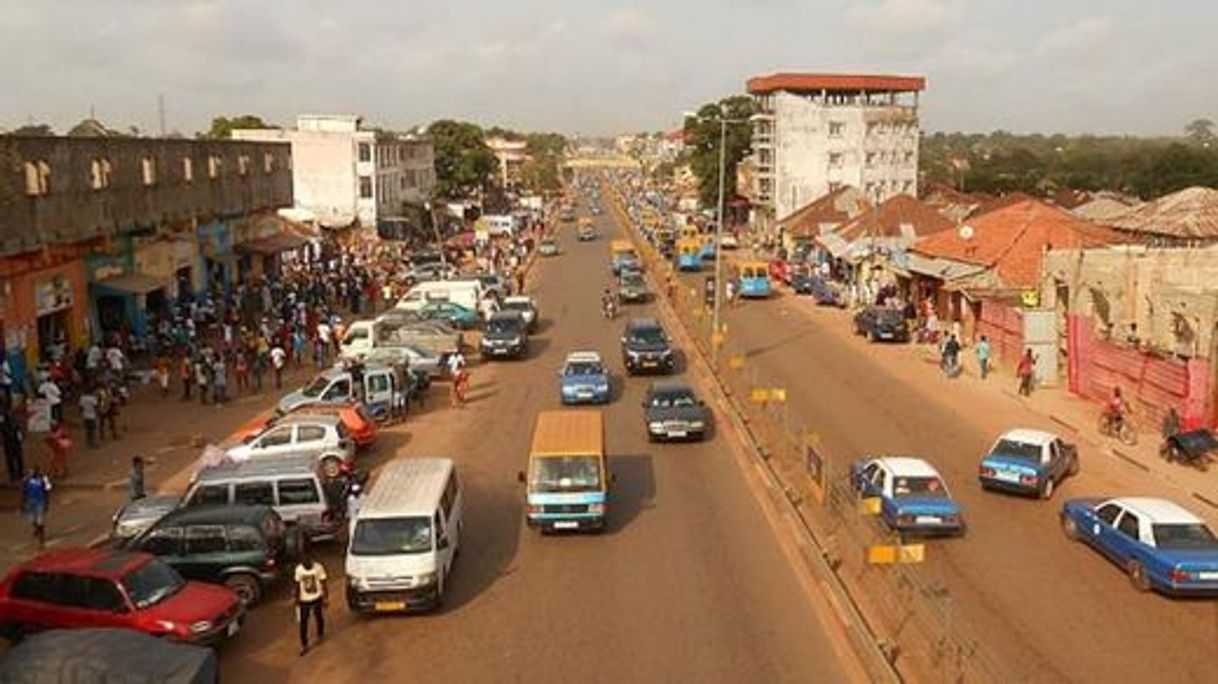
[
  {"x": 629, "y": 22},
  {"x": 1083, "y": 36},
  {"x": 905, "y": 17}
]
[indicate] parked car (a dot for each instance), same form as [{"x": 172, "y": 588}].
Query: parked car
[
  {"x": 729, "y": 241},
  {"x": 73, "y": 588},
  {"x": 584, "y": 379},
  {"x": 527, "y": 306},
  {"x": 547, "y": 247},
  {"x": 360, "y": 426},
  {"x": 803, "y": 282},
  {"x": 913, "y": 496},
  {"x": 672, "y": 411},
  {"x": 632, "y": 288},
  {"x": 245, "y": 548},
  {"x": 1028, "y": 462},
  {"x": 506, "y": 335},
  {"x": 1158, "y": 543},
  {"x": 108, "y": 656},
  {"x": 645, "y": 347},
  {"x": 324, "y": 438},
  {"x": 383, "y": 389},
  {"x": 134, "y": 517},
  {"x": 460, "y": 317},
  {"x": 493, "y": 285},
  {"x": 882, "y": 323},
  {"x": 586, "y": 233}
]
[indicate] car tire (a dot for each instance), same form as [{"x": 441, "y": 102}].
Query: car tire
[
  {"x": 872, "y": 337},
  {"x": 1046, "y": 492},
  {"x": 247, "y": 588},
  {"x": 1070, "y": 528},
  {"x": 1138, "y": 577}
]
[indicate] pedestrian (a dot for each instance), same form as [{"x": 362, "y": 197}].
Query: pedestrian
[
  {"x": 311, "y": 598},
  {"x": 186, "y": 372},
  {"x": 89, "y": 414},
  {"x": 107, "y": 412},
  {"x": 35, "y": 500},
  {"x": 162, "y": 374},
  {"x": 53, "y": 396},
  {"x": 355, "y": 499},
  {"x": 1026, "y": 372},
  {"x": 202, "y": 377},
  {"x": 6, "y": 379},
  {"x": 12, "y": 434},
  {"x": 730, "y": 288},
  {"x": 279, "y": 359},
  {"x": 241, "y": 369},
  {"x": 220, "y": 380},
  {"x": 135, "y": 479},
  {"x": 983, "y": 356},
  {"x": 58, "y": 442},
  {"x": 951, "y": 356}
]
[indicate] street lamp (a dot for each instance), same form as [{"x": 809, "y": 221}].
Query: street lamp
[{"x": 723, "y": 122}]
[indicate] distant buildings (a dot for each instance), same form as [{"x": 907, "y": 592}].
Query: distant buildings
[
  {"x": 815, "y": 133},
  {"x": 346, "y": 174},
  {"x": 512, "y": 154}
]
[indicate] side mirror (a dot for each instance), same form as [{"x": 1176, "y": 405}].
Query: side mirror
[
  {"x": 520, "y": 476},
  {"x": 442, "y": 543}
]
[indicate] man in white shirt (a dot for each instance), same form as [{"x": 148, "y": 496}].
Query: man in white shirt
[
  {"x": 323, "y": 336},
  {"x": 279, "y": 359},
  {"x": 54, "y": 397},
  {"x": 311, "y": 599}
]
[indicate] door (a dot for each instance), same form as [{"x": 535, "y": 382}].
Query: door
[
  {"x": 300, "y": 501},
  {"x": 378, "y": 391},
  {"x": 1103, "y": 529},
  {"x": 166, "y": 544},
  {"x": 444, "y": 543},
  {"x": 1127, "y": 538},
  {"x": 338, "y": 392},
  {"x": 1040, "y": 335},
  {"x": 276, "y": 442},
  {"x": 206, "y": 552}
]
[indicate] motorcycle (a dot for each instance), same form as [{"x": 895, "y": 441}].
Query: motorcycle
[
  {"x": 1121, "y": 427},
  {"x": 1193, "y": 448}
]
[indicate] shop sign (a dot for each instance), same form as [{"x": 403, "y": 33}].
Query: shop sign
[
  {"x": 51, "y": 295},
  {"x": 215, "y": 240},
  {"x": 1030, "y": 299}
]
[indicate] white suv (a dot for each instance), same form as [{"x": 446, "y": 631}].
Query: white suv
[{"x": 323, "y": 437}]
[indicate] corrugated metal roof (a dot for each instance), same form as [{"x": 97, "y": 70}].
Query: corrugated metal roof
[
  {"x": 409, "y": 487},
  {"x": 1190, "y": 214},
  {"x": 816, "y": 82}
]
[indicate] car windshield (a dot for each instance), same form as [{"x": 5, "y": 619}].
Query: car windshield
[
  {"x": 565, "y": 474},
  {"x": 920, "y": 487},
  {"x": 1017, "y": 450},
  {"x": 673, "y": 399},
  {"x": 647, "y": 336},
  {"x": 1184, "y": 537},
  {"x": 391, "y": 536},
  {"x": 315, "y": 388},
  {"x": 152, "y": 583},
  {"x": 632, "y": 280},
  {"x": 502, "y": 326},
  {"x": 889, "y": 316},
  {"x": 584, "y": 368},
  {"x": 517, "y": 306}
]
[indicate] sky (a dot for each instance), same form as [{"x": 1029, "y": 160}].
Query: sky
[{"x": 596, "y": 67}]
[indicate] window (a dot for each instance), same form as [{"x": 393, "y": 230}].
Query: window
[
  {"x": 378, "y": 383},
  {"x": 338, "y": 390},
  {"x": 99, "y": 173},
  {"x": 243, "y": 164},
  {"x": 365, "y": 187},
  {"x": 101, "y": 595},
  {"x": 365, "y": 152},
  {"x": 296, "y": 492},
  {"x": 836, "y": 129},
  {"x": 1129, "y": 525},
  {"x": 908, "y": 158},
  {"x": 449, "y": 497},
  {"x": 166, "y": 541},
  {"x": 254, "y": 494},
  {"x": 311, "y": 433},
  {"x": 268, "y": 162},
  {"x": 907, "y": 187},
  {"x": 214, "y": 166},
  {"x": 188, "y": 169},
  {"x": 402, "y": 180},
  {"x": 835, "y": 159},
  {"x": 277, "y": 437},
  {"x": 148, "y": 170},
  {"x": 834, "y": 186},
  {"x": 34, "y": 586},
  {"x": 871, "y": 159},
  {"x": 1108, "y": 513},
  {"x": 244, "y": 538},
  {"x": 37, "y": 178},
  {"x": 201, "y": 539},
  {"x": 209, "y": 495}
]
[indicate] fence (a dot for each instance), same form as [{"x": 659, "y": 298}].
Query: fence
[{"x": 922, "y": 634}]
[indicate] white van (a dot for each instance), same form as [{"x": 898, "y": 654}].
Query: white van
[
  {"x": 404, "y": 537},
  {"x": 467, "y": 293},
  {"x": 500, "y": 224}
]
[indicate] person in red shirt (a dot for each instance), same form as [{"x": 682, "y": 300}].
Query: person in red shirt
[{"x": 1026, "y": 372}]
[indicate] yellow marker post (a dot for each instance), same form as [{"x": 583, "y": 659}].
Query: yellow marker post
[
  {"x": 735, "y": 362},
  {"x": 778, "y": 395},
  {"x": 759, "y": 395},
  {"x": 870, "y": 506},
  {"x": 717, "y": 340},
  {"x": 891, "y": 554}
]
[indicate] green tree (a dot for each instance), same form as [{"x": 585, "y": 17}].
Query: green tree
[
  {"x": 33, "y": 129},
  {"x": 222, "y": 126},
  {"x": 1200, "y": 130},
  {"x": 463, "y": 160},
  {"x": 702, "y": 134}
]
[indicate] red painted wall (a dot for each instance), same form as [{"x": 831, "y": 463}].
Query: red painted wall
[{"x": 1003, "y": 325}]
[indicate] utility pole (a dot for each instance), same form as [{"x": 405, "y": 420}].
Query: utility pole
[
  {"x": 160, "y": 112},
  {"x": 719, "y": 237}
]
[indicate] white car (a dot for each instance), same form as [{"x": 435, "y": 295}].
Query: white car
[
  {"x": 324, "y": 437},
  {"x": 527, "y": 306},
  {"x": 729, "y": 241}
]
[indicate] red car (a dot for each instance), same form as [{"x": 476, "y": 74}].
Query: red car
[{"x": 75, "y": 588}]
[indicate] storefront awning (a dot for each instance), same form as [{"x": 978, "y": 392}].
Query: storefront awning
[
  {"x": 133, "y": 283},
  {"x": 273, "y": 244}
]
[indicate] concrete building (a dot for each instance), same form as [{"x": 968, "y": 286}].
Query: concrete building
[
  {"x": 98, "y": 234},
  {"x": 815, "y": 133},
  {"x": 344, "y": 174},
  {"x": 512, "y": 154}
]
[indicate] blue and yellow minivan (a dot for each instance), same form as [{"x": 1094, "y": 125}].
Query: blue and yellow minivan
[
  {"x": 754, "y": 277},
  {"x": 622, "y": 253},
  {"x": 689, "y": 254},
  {"x": 567, "y": 482},
  {"x": 708, "y": 247}
]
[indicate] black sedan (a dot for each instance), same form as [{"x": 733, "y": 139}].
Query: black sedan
[
  {"x": 672, "y": 412},
  {"x": 881, "y": 323}
]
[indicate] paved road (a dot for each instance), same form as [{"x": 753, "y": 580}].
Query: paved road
[
  {"x": 688, "y": 584},
  {"x": 1052, "y": 609}
]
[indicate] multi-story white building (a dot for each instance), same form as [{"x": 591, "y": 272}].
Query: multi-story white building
[
  {"x": 814, "y": 133},
  {"x": 343, "y": 173},
  {"x": 512, "y": 154}
]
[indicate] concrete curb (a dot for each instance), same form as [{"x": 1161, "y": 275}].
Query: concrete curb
[{"x": 863, "y": 640}]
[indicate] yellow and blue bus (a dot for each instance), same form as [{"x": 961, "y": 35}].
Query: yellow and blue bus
[
  {"x": 754, "y": 277},
  {"x": 689, "y": 254},
  {"x": 567, "y": 480},
  {"x": 622, "y": 253}
]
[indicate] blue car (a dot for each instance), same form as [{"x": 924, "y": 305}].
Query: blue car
[
  {"x": 1158, "y": 543},
  {"x": 584, "y": 379},
  {"x": 1028, "y": 462},
  {"x": 913, "y": 497}
]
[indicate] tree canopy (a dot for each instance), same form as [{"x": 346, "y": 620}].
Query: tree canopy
[
  {"x": 33, "y": 129},
  {"x": 702, "y": 144},
  {"x": 463, "y": 160},
  {"x": 222, "y": 126}
]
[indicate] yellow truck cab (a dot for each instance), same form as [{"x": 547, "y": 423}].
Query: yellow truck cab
[{"x": 567, "y": 481}]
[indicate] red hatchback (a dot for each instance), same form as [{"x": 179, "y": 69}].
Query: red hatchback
[{"x": 108, "y": 588}]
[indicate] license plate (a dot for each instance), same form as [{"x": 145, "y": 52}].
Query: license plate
[
  {"x": 566, "y": 525},
  {"x": 387, "y": 606},
  {"x": 1207, "y": 576},
  {"x": 233, "y": 627},
  {"x": 584, "y": 395},
  {"x": 677, "y": 433},
  {"x": 1007, "y": 476},
  {"x": 927, "y": 520},
  {"x": 885, "y": 335},
  {"x": 649, "y": 364}
]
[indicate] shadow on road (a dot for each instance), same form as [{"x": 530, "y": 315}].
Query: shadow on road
[{"x": 633, "y": 492}]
